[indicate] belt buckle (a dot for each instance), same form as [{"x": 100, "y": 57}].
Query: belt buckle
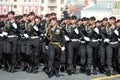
[
  {"x": 93, "y": 40},
  {"x": 11, "y": 36},
  {"x": 74, "y": 40},
  {"x": 33, "y": 37},
  {"x": 113, "y": 42}
]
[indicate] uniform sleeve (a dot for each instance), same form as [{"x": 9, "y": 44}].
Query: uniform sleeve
[{"x": 62, "y": 38}]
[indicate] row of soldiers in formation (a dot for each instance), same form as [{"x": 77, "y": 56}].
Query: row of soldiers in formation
[{"x": 61, "y": 45}]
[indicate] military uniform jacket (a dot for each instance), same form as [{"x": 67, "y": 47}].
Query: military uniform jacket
[
  {"x": 90, "y": 32},
  {"x": 66, "y": 28},
  {"x": 56, "y": 35},
  {"x": 31, "y": 31},
  {"x": 12, "y": 28},
  {"x": 73, "y": 34},
  {"x": 109, "y": 32}
]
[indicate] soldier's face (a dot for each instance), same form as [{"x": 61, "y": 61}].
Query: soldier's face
[
  {"x": 53, "y": 22},
  {"x": 111, "y": 21},
  {"x": 79, "y": 22},
  {"x": 47, "y": 18},
  {"x": 118, "y": 24},
  {"x": 3, "y": 18},
  {"x": 85, "y": 22},
  {"x": 25, "y": 18},
  {"x": 91, "y": 22},
  {"x": 105, "y": 22},
  {"x": 31, "y": 17},
  {"x": 10, "y": 16},
  {"x": 37, "y": 20},
  {"x": 98, "y": 24},
  {"x": 73, "y": 21}
]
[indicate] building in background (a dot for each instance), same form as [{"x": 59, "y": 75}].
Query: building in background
[
  {"x": 40, "y": 7},
  {"x": 57, "y": 6},
  {"x": 97, "y": 8},
  {"x": 20, "y": 6},
  {"x": 81, "y": 8},
  {"x": 30, "y": 6},
  {"x": 102, "y": 8}
]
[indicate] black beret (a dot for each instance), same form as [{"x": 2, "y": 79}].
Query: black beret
[
  {"x": 92, "y": 18},
  {"x": 85, "y": 19},
  {"x": 79, "y": 20},
  {"x": 105, "y": 19},
  {"x": 53, "y": 19},
  {"x": 2, "y": 16},
  {"x": 112, "y": 18},
  {"x": 31, "y": 13},
  {"x": 37, "y": 17},
  {"x": 98, "y": 21},
  {"x": 25, "y": 15},
  {"x": 118, "y": 21},
  {"x": 11, "y": 12},
  {"x": 47, "y": 15},
  {"x": 53, "y": 13},
  {"x": 67, "y": 17},
  {"x": 73, "y": 17}
]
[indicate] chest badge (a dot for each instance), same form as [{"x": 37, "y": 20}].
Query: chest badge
[{"x": 57, "y": 31}]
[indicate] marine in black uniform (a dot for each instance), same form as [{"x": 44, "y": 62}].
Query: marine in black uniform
[
  {"x": 45, "y": 24},
  {"x": 23, "y": 41},
  {"x": 56, "y": 44},
  {"x": 11, "y": 34},
  {"x": 73, "y": 46},
  {"x": 93, "y": 38},
  {"x": 102, "y": 47},
  {"x": 32, "y": 46},
  {"x": 66, "y": 26},
  {"x": 118, "y": 58},
  {"x": 82, "y": 48},
  {"x": 111, "y": 37},
  {"x": 2, "y": 24}
]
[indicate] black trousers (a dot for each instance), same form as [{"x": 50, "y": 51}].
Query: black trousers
[
  {"x": 73, "y": 50},
  {"x": 91, "y": 47},
  {"x": 110, "y": 53},
  {"x": 82, "y": 52},
  {"x": 23, "y": 49},
  {"x": 1, "y": 51},
  {"x": 54, "y": 53},
  {"x": 32, "y": 49},
  {"x": 10, "y": 49},
  {"x": 44, "y": 52},
  {"x": 102, "y": 53}
]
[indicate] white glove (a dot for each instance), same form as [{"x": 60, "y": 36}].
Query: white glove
[
  {"x": 116, "y": 32},
  {"x": 119, "y": 39},
  {"x": 106, "y": 40},
  {"x": 36, "y": 28},
  {"x": 96, "y": 30},
  {"x": 46, "y": 47},
  {"x": 4, "y": 33},
  {"x": 76, "y": 31},
  {"x": 1, "y": 35},
  {"x": 63, "y": 48},
  {"x": 14, "y": 25},
  {"x": 99, "y": 39},
  {"x": 67, "y": 38},
  {"x": 26, "y": 35},
  {"x": 42, "y": 34},
  {"x": 87, "y": 38}
]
